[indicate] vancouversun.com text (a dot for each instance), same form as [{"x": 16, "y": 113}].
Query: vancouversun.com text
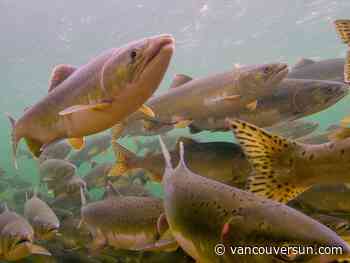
[{"x": 221, "y": 250}]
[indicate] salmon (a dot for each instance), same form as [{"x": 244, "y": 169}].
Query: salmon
[
  {"x": 90, "y": 99},
  {"x": 203, "y": 213},
  {"x": 42, "y": 218},
  {"x": 16, "y": 238},
  {"x": 128, "y": 222},
  {"x": 206, "y": 97}
]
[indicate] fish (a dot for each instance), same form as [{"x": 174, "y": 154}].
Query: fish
[
  {"x": 330, "y": 199},
  {"x": 293, "y": 99},
  {"x": 16, "y": 238},
  {"x": 94, "y": 146},
  {"x": 58, "y": 150},
  {"x": 328, "y": 69},
  {"x": 294, "y": 129},
  {"x": 205, "y": 98},
  {"x": 55, "y": 170},
  {"x": 202, "y": 213},
  {"x": 150, "y": 145},
  {"x": 131, "y": 189},
  {"x": 128, "y": 222},
  {"x": 98, "y": 176},
  {"x": 43, "y": 219},
  {"x": 221, "y": 161},
  {"x": 90, "y": 99},
  {"x": 284, "y": 168}
]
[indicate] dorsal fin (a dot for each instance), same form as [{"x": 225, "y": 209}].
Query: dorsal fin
[
  {"x": 166, "y": 154},
  {"x": 59, "y": 74},
  {"x": 303, "y": 62},
  {"x": 179, "y": 80},
  {"x": 272, "y": 159}
]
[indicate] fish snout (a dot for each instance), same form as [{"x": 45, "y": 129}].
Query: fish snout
[{"x": 162, "y": 43}]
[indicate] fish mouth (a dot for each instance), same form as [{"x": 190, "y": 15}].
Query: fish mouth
[{"x": 159, "y": 44}]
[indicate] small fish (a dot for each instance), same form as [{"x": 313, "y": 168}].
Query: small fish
[
  {"x": 294, "y": 129},
  {"x": 221, "y": 161},
  {"x": 16, "y": 238},
  {"x": 94, "y": 146},
  {"x": 284, "y": 168},
  {"x": 58, "y": 150},
  {"x": 90, "y": 99},
  {"x": 151, "y": 145},
  {"x": 42, "y": 218},
  {"x": 128, "y": 222},
  {"x": 54, "y": 170},
  {"x": 203, "y": 213},
  {"x": 98, "y": 176},
  {"x": 205, "y": 98}
]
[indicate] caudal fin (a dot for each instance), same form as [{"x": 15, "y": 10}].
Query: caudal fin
[
  {"x": 343, "y": 29},
  {"x": 14, "y": 140},
  {"x": 271, "y": 157},
  {"x": 123, "y": 160}
]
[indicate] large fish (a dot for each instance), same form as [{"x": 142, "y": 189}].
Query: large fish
[
  {"x": 16, "y": 238},
  {"x": 294, "y": 99},
  {"x": 328, "y": 69},
  {"x": 42, "y": 218},
  {"x": 285, "y": 168},
  {"x": 87, "y": 100},
  {"x": 128, "y": 222},
  {"x": 94, "y": 146},
  {"x": 221, "y": 161},
  {"x": 203, "y": 213},
  {"x": 205, "y": 97}
]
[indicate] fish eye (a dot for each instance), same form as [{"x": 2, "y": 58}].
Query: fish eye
[
  {"x": 266, "y": 70},
  {"x": 133, "y": 54},
  {"x": 329, "y": 89}
]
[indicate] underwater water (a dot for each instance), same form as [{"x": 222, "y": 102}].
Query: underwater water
[{"x": 211, "y": 37}]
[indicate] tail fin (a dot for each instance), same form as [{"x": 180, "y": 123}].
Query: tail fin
[
  {"x": 14, "y": 140},
  {"x": 271, "y": 157},
  {"x": 123, "y": 160},
  {"x": 343, "y": 29}
]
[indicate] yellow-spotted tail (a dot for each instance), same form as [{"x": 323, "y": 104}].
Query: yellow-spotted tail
[
  {"x": 343, "y": 29},
  {"x": 124, "y": 160},
  {"x": 271, "y": 157},
  {"x": 14, "y": 140}
]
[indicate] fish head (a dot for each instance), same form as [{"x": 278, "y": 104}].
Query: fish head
[
  {"x": 317, "y": 95},
  {"x": 17, "y": 241},
  {"x": 277, "y": 225},
  {"x": 46, "y": 230},
  {"x": 260, "y": 79},
  {"x": 55, "y": 169},
  {"x": 142, "y": 62}
]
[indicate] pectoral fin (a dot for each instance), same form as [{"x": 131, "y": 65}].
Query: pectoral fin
[
  {"x": 34, "y": 146},
  {"x": 76, "y": 143},
  {"x": 252, "y": 106},
  {"x": 147, "y": 111},
  {"x": 81, "y": 108},
  {"x": 179, "y": 80},
  {"x": 182, "y": 124},
  {"x": 162, "y": 224}
]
